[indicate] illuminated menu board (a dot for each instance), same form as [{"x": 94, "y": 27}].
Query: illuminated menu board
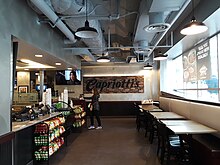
[{"x": 197, "y": 63}]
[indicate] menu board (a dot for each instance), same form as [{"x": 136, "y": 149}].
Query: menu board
[{"x": 197, "y": 63}]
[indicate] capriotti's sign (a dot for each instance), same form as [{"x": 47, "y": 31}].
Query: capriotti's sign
[{"x": 116, "y": 84}]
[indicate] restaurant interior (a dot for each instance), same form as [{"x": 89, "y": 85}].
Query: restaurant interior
[{"x": 143, "y": 56}]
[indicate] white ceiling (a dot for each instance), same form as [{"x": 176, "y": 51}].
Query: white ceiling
[{"x": 27, "y": 51}]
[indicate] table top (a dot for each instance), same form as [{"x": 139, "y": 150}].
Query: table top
[
  {"x": 179, "y": 122},
  {"x": 166, "y": 115},
  {"x": 149, "y": 107},
  {"x": 191, "y": 129}
]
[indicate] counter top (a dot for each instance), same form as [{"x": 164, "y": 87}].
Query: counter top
[{"x": 17, "y": 126}]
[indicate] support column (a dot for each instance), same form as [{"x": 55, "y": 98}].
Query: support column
[{"x": 41, "y": 84}]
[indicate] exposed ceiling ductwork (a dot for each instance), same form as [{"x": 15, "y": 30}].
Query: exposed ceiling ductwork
[{"x": 153, "y": 19}]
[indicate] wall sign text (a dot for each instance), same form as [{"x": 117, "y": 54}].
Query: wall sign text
[{"x": 115, "y": 84}]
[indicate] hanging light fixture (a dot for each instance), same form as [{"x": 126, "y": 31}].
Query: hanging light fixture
[
  {"x": 103, "y": 59},
  {"x": 194, "y": 27},
  {"x": 86, "y": 31},
  {"x": 160, "y": 56},
  {"x": 148, "y": 66}
]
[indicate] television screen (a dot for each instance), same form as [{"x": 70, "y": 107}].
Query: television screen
[
  {"x": 38, "y": 87},
  {"x": 68, "y": 77}
]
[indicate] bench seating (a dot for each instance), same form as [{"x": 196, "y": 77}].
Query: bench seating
[
  {"x": 201, "y": 113},
  {"x": 206, "y": 148}
]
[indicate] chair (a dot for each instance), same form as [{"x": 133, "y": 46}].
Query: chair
[
  {"x": 141, "y": 121},
  {"x": 151, "y": 126},
  {"x": 168, "y": 144}
]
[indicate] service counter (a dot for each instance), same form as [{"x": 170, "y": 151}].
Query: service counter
[
  {"x": 17, "y": 126},
  {"x": 23, "y": 143}
]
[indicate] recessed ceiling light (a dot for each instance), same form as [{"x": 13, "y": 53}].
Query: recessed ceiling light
[
  {"x": 26, "y": 69},
  {"x": 70, "y": 68},
  {"x": 38, "y": 55},
  {"x": 57, "y": 63}
]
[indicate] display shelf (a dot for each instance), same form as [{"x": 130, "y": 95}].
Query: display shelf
[
  {"x": 79, "y": 116},
  {"x": 48, "y": 138}
]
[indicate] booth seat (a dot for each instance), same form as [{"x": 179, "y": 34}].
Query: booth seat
[
  {"x": 205, "y": 114},
  {"x": 202, "y": 113},
  {"x": 206, "y": 147},
  {"x": 180, "y": 107},
  {"x": 164, "y": 103}
]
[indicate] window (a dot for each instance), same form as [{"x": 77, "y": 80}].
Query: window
[{"x": 195, "y": 73}]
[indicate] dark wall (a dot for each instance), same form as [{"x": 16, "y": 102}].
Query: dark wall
[
  {"x": 23, "y": 146},
  {"x": 6, "y": 148},
  {"x": 117, "y": 108}
]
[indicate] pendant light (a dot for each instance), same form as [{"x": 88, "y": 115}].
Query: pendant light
[
  {"x": 160, "y": 56},
  {"x": 103, "y": 58},
  {"x": 148, "y": 67},
  {"x": 194, "y": 27},
  {"x": 86, "y": 31}
]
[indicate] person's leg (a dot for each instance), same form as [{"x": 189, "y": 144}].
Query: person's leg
[
  {"x": 92, "y": 118},
  {"x": 96, "y": 113}
]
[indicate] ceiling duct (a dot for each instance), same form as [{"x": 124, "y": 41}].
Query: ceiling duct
[
  {"x": 156, "y": 23},
  {"x": 46, "y": 10},
  {"x": 142, "y": 47}
]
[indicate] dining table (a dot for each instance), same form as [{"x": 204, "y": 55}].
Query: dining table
[
  {"x": 150, "y": 107},
  {"x": 166, "y": 115},
  {"x": 187, "y": 127}
]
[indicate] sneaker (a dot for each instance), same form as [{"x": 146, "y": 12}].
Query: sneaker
[
  {"x": 91, "y": 127},
  {"x": 99, "y": 127}
]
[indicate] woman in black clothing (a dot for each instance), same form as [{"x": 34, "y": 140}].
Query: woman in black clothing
[{"x": 94, "y": 109}]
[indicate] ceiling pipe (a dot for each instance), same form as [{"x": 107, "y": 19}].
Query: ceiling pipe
[
  {"x": 46, "y": 10},
  {"x": 77, "y": 8},
  {"x": 121, "y": 47}
]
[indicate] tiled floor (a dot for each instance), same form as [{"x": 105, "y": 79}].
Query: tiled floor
[{"x": 118, "y": 143}]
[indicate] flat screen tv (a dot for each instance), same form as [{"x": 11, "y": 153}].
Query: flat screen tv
[
  {"x": 68, "y": 77},
  {"x": 38, "y": 87}
]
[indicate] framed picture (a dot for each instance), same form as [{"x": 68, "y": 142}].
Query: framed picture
[{"x": 23, "y": 89}]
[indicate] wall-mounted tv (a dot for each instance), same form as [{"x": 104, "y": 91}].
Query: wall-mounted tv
[
  {"x": 38, "y": 87},
  {"x": 68, "y": 77}
]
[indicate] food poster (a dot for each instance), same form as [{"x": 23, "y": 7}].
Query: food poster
[
  {"x": 203, "y": 61},
  {"x": 190, "y": 66},
  {"x": 197, "y": 63}
]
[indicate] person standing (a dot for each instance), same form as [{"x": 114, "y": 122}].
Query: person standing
[
  {"x": 94, "y": 109},
  {"x": 73, "y": 79}
]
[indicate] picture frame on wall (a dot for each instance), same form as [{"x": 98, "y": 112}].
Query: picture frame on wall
[{"x": 23, "y": 89}]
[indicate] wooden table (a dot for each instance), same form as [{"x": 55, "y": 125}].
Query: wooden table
[
  {"x": 166, "y": 115},
  {"x": 187, "y": 127},
  {"x": 150, "y": 107},
  {"x": 178, "y": 122}
]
